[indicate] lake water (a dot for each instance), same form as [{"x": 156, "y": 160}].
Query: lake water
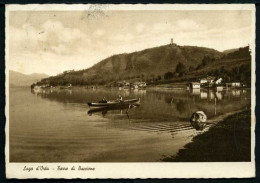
[{"x": 55, "y": 126}]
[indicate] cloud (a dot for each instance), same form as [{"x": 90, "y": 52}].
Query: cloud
[
  {"x": 122, "y": 37},
  {"x": 55, "y": 45},
  {"x": 50, "y": 47},
  {"x": 61, "y": 33},
  {"x": 99, "y": 33},
  {"x": 189, "y": 25},
  {"x": 140, "y": 28},
  {"x": 161, "y": 28},
  {"x": 51, "y": 36}
]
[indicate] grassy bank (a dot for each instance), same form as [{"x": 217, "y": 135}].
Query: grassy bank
[{"x": 228, "y": 141}]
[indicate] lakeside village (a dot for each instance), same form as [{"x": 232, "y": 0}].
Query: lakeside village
[{"x": 205, "y": 82}]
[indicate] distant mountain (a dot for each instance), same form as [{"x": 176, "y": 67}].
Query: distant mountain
[
  {"x": 144, "y": 65},
  {"x": 230, "y": 50},
  {"x": 239, "y": 53},
  {"x": 229, "y": 60},
  {"x": 17, "y": 79}
]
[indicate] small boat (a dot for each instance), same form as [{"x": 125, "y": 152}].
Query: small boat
[
  {"x": 110, "y": 104},
  {"x": 112, "y": 108}
]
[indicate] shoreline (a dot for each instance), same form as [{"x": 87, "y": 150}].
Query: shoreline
[
  {"x": 171, "y": 86},
  {"x": 227, "y": 141}
]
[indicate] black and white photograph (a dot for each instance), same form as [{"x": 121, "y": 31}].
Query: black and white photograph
[{"x": 144, "y": 85}]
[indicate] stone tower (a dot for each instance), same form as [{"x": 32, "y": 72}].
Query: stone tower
[{"x": 171, "y": 41}]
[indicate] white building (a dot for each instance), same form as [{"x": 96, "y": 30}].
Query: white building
[
  {"x": 236, "y": 84},
  {"x": 194, "y": 85},
  {"x": 208, "y": 79},
  {"x": 233, "y": 84},
  {"x": 218, "y": 81},
  {"x": 203, "y": 80}
]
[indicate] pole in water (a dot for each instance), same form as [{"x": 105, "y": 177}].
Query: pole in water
[{"x": 215, "y": 106}]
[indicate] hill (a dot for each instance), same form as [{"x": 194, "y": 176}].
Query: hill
[
  {"x": 144, "y": 65},
  {"x": 169, "y": 62},
  {"x": 228, "y": 61},
  {"x": 230, "y": 50},
  {"x": 17, "y": 79},
  {"x": 234, "y": 66}
]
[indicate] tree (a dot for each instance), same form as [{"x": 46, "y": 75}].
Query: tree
[
  {"x": 180, "y": 68},
  {"x": 168, "y": 75},
  {"x": 200, "y": 66},
  {"x": 191, "y": 68},
  {"x": 159, "y": 78},
  {"x": 206, "y": 59}
]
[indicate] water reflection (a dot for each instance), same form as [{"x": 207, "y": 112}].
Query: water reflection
[
  {"x": 195, "y": 91},
  {"x": 54, "y": 125},
  {"x": 203, "y": 94},
  {"x": 117, "y": 109},
  {"x": 181, "y": 106},
  {"x": 157, "y": 105},
  {"x": 236, "y": 93},
  {"x": 219, "y": 95}
]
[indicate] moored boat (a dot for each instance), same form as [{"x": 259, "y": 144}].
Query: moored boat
[
  {"x": 112, "y": 108},
  {"x": 114, "y": 103}
]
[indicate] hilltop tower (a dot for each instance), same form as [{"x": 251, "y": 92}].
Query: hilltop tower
[{"x": 171, "y": 41}]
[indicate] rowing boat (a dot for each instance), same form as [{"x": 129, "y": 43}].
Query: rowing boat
[
  {"x": 114, "y": 103},
  {"x": 112, "y": 108}
]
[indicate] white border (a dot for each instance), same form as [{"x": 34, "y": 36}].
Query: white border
[
  {"x": 135, "y": 170},
  {"x": 131, "y": 7}
]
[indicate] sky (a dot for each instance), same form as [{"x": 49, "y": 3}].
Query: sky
[{"x": 51, "y": 42}]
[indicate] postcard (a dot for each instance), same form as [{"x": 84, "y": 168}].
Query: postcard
[{"x": 130, "y": 91}]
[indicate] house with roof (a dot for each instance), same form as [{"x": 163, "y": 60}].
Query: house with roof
[
  {"x": 140, "y": 85},
  {"x": 194, "y": 85},
  {"x": 235, "y": 84},
  {"x": 203, "y": 80},
  {"x": 208, "y": 79},
  {"x": 218, "y": 81}
]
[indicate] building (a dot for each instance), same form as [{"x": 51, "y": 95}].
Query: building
[
  {"x": 203, "y": 80},
  {"x": 228, "y": 85},
  {"x": 126, "y": 84},
  {"x": 218, "y": 81},
  {"x": 120, "y": 84},
  {"x": 171, "y": 41},
  {"x": 233, "y": 85},
  {"x": 208, "y": 79},
  {"x": 194, "y": 85},
  {"x": 139, "y": 85},
  {"x": 211, "y": 79},
  {"x": 142, "y": 84},
  {"x": 236, "y": 84}
]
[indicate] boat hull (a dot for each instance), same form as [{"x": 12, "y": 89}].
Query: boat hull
[
  {"x": 114, "y": 104},
  {"x": 105, "y": 109}
]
